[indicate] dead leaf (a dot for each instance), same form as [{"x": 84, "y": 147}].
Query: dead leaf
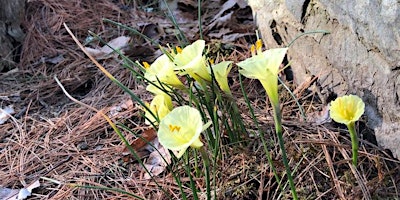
[
  {"x": 10, "y": 194},
  {"x": 319, "y": 117},
  {"x": 226, "y": 6},
  {"x": 126, "y": 105},
  {"x": 147, "y": 135},
  {"x": 6, "y": 113},
  {"x": 157, "y": 161},
  {"x": 233, "y": 37},
  {"x": 221, "y": 21},
  {"x": 107, "y": 50},
  {"x": 55, "y": 60}
]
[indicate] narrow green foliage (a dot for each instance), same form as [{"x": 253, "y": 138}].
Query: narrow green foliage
[
  {"x": 260, "y": 132},
  {"x": 188, "y": 172}
]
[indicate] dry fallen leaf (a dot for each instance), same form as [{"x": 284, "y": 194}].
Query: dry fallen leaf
[
  {"x": 157, "y": 161},
  {"x": 126, "y": 105},
  {"x": 319, "y": 117},
  {"x": 107, "y": 50},
  {"x": 219, "y": 18},
  {"x": 10, "y": 194},
  {"x": 137, "y": 144},
  {"x": 6, "y": 113}
]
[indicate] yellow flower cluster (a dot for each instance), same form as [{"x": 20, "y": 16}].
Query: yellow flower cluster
[{"x": 180, "y": 128}]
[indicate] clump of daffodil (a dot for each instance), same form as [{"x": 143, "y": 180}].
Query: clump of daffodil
[
  {"x": 160, "y": 106},
  {"x": 264, "y": 66},
  {"x": 162, "y": 70},
  {"x": 221, "y": 71},
  {"x": 347, "y": 110},
  {"x": 181, "y": 129},
  {"x": 191, "y": 61}
]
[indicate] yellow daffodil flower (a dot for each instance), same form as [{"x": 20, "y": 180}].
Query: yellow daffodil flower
[
  {"x": 347, "y": 110},
  {"x": 221, "y": 71},
  {"x": 191, "y": 60},
  {"x": 264, "y": 66},
  {"x": 181, "y": 129},
  {"x": 163, "y": 70},
  {"x": 160, "y": 106}
]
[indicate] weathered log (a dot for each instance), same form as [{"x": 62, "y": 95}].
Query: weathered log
[
  {"x": 361, "y": 55},
  {"x": 11, "y": 35}
]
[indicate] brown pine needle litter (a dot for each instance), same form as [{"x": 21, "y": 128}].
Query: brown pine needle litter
[{"x": 54, "y": 137}]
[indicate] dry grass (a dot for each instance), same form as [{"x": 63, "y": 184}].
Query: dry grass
[{"x": 53, "y": 137}]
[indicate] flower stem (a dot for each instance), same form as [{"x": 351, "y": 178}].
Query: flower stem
[
  {"x": 207, "y": 170},
  {"x": 278, "y": 129},
  {"x": 354, "y": 142}
]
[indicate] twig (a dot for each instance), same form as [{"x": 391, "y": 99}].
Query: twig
[{"x": 73, "y": 99}]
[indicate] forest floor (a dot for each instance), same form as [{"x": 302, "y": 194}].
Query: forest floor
[{"x": 51, "y": 136}]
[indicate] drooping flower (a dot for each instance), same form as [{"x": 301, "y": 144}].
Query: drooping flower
[
  {"x": 163, "y": 70},
  {"x": 347, "y": 109},
  {"x": 181, "y": 129},
  {"x": 221, "y": 71},
  {"x": 160, "y": 106},
  {"x": 264, "y": 66},
  {"x": 192, "y": 61}
]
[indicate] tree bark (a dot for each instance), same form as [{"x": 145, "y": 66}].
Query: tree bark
[{"x": 11, "y": 35}]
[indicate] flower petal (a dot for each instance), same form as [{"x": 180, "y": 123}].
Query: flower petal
[{"x": 347, "y": 109}]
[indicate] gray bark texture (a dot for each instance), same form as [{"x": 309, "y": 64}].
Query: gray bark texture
[
  {"x": 11, "y": 15},
  {"x": 361, "y": 55}
]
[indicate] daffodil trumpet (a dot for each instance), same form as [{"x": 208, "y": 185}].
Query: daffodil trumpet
[
  {"x": 221, "y": 71},
  {"x": 347, "y": 110},
  {"x": 181, "y": 129},
  {"x": 190, "y": 60}
]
